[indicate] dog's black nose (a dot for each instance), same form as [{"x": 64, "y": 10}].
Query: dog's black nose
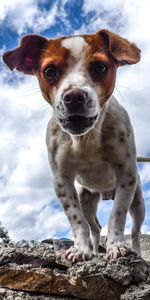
[{"x": 75, "y": 101}]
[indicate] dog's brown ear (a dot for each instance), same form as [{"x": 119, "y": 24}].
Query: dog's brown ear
[
  {"x": 123, "y": 51},
  {"x": 25, "y": 58}
]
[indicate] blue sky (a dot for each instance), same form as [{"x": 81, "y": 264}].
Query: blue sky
[{"x": 28, "y": 206}]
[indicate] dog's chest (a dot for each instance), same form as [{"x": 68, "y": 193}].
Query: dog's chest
[
  {"x": 92, "y": 170},
  {"x": 96, "y": 175}
]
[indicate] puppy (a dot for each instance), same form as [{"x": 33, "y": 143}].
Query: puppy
[{"x": 89, "y": 137}]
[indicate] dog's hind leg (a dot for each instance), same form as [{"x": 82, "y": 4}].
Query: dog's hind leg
[
  {"x": 137, "y": 212},
  {"x": 89, "y": 201}
]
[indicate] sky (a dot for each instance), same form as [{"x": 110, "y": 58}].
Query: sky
[{"x": 28, "y": 205}]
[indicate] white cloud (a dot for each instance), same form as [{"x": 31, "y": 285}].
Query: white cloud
[
  {"x": 27, "y": 15},
  {"x": 145, "y": 173},
  {"x": 26, "y": 183}
]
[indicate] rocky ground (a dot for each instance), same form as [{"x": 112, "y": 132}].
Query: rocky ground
[
  {"x": 145, "y": 243},
  {"x": 34, "y": 270}
]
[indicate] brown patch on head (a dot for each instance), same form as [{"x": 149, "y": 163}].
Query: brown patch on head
[
  {"x": 54, "y": 57},
  {"x": 26, "y": 57},
  {"x": 113, "y": 51},
  {"x": 99, "y": 57},
  {"x": 123, "y": 51}
]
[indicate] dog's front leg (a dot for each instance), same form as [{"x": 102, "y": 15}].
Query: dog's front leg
[
  {"x": 126, "y": 185},
  {"x": 67, "y": 194}
]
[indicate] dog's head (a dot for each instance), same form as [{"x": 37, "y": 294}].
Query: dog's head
[{"x": 76, "y": 73}]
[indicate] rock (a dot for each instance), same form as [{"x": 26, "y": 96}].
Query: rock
[
  {"x": 6, "y": 294},
  {"x": 145, "y": 243},
  {"x": 59, "y": 244},
  {"x": 140, "y": 292},
  {"x": 39, "y": 270}
]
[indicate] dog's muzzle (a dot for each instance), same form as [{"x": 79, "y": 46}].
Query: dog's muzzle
[{"x": 77, "y": 120}]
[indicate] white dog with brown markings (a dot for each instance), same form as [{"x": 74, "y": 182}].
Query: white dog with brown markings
[{"x": 89, "y": 137}]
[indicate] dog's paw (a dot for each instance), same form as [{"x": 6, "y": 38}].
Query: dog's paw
[
  {"x": 78, "y": 255},
  {"x": 117, "y": 250}
]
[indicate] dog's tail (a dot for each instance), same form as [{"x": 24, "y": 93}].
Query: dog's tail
[{"x": 143, "y": 159}]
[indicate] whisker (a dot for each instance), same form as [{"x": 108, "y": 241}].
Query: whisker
[
  {"x": 119, "y": 93},
  {"x": 110, "y": 91}
]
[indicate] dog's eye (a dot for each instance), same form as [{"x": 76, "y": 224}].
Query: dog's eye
[
  {"x": 99, "y": 68},
  {"x": 51, "y": 72}
]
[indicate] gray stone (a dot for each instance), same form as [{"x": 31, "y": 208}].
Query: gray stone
[
  {"x": 39, "y": 270},
  {"x": 145, "y": 243},
  {"x": 6, "y": 294}
]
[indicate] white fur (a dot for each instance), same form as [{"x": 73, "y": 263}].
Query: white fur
[{"x": 75, "y": 44}]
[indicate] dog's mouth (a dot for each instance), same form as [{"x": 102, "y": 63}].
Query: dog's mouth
[{"x": 77, "y": 124}]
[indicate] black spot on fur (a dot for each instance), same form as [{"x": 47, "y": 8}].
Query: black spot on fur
[
  {"x": 131, "y": 182},
  {"x": 128, "y": 155},
  {"x": 130, "y": 174},
  {"x": 119, "y": 213},
  {"x": 120, "y": 166},
  {"x": 61, "y": 195},
  {"x": 66, "y": 206},
  {"x": 116, "y": 233},
  {"x": 128, "y": 132},
  {"x": 123, "y": 185},
  {"x": 122, "y": 140},
  {"x": 74, "y": 217},
  {"x": 122, "y": 134},
  {"x": 74, "y": 195},
  {"x": 60, "y": 185}
]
